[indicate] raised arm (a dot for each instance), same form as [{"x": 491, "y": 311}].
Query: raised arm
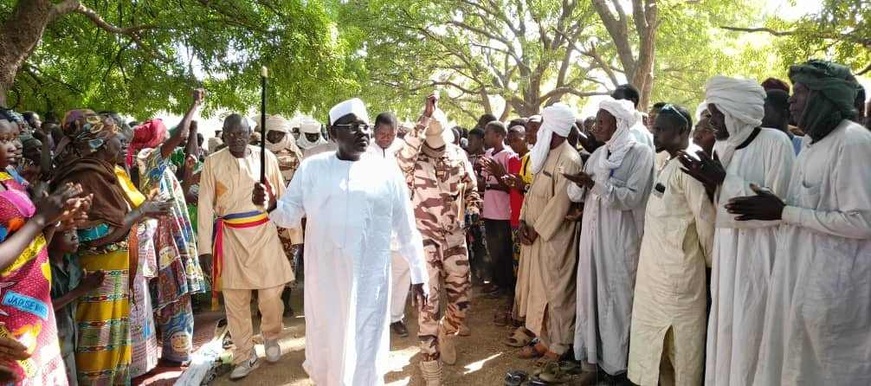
[
  {"x": 406, "y": 157},
  {"x": 184, "y": 127}
]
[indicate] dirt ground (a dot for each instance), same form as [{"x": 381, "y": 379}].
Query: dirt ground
[{"x": 481, "y": 358}]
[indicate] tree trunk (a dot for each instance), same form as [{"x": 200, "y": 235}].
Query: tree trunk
[
  {"x": 646, "y": 23},
  {"x": 638, "y": 70},
  {"x": 19, "y": 35}
]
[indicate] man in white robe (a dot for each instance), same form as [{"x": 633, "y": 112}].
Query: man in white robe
[
  {"x": 817, "y": 327},
  {"x": 638, "y": 130},
  {"x": 613, "y": 187},
  {"x": 385, "y": 146},
  {"x": 667, "y": 341},
  {"x": 354, "y": 203},
  {"x": 743, "y": 250},
  {"x": 310, "y": 135}
]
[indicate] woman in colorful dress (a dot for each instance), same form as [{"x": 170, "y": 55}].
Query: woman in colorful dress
[
  {"x": 179, "y": 272},
  {"x": 102, "y": 316},
  {"x": 27, "y": 312},
  {"x": 143, "y": 332}
]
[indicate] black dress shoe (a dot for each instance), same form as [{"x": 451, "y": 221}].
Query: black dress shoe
[{"x": 399, "y": 329}]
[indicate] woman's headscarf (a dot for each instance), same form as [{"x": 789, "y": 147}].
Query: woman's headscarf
[
  {"x": 148, "y": 135},
  {"x": 742, "y": 102},
  {"x": 75, "y": 120},
  {"x": 557, "y": 118},
  {"x": 833, "y": 93},
  {"x": 622, "y": 140},
  {"x": 96, "y": 175}
]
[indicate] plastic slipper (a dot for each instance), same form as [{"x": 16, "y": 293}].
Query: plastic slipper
[{"x": 516, "y": 377}]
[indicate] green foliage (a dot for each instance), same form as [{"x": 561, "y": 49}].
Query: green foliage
[
  {"x": 841, "y": 32},
  {"x": 410, "y": 47},
  {"x": 481, "y": 55},
  {"x": 80, "y": 64},
  {"x": 691, "y": 48}
]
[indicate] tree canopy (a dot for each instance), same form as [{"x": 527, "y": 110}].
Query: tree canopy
[
  {"x": 840, "y": 31},
  {"x": 140, "y": 57},
  {"x": 506, "y": 57}
]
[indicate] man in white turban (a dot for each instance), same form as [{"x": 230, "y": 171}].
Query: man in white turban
[
  {"x": 818, "y": 311},
  {"x": 443, "y": 188},
  {"x": 549, "y": 241},
  {"x": 281, "y": 143},
  {"x": 639, "y": 132},
  {"x": 743, "y": 250},
  {"x": 614, "y": 187},
  {"x": 354, "y": 204},
  {"x": 310, "y": 134}
]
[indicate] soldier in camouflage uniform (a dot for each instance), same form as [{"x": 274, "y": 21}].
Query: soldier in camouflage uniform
[{"x": 443, "y": 188}]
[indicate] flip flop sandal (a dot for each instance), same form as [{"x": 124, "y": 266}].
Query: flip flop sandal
[
  {"x": 516, "y": 378},
  {"x": 520, "y": 338}
]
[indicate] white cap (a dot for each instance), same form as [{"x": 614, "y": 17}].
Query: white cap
[{"x": 352, "y": 106}]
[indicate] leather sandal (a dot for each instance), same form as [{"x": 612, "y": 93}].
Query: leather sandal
[{"x": 521, "y": 337}]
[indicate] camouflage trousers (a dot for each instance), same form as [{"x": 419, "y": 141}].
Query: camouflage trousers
[{"x": 447, "y": 263}]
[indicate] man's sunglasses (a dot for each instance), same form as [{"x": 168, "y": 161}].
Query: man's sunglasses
[{"x": 670, "y": 107}]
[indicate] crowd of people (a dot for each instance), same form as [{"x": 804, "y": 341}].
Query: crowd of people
[{"x": 730, "y": 245}]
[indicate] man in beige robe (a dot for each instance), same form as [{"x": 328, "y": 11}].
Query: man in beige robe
[
  {"x": 248, "y": 253},
  {"x": 667, "y": 332},
  {"x": 549, "y": 240}
]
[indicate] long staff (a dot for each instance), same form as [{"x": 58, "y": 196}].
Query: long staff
[{"x": 264, "y": 73}]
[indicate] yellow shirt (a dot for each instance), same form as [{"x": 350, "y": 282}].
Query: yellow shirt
[
  {"x": 525, "y": 171},
  {"x": 130, "y": 190}
]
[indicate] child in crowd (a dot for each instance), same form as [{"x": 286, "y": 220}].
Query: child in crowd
[{"x": 68, "y": 284}]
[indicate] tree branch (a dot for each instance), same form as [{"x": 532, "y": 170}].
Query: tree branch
[
  {"x": 559, "y": 91},
  {"x": 847, "y": 37},
  {"x": 760, "y": 29},
  {"x": 618, "y": 31},
  {"x": 133, "y": 32}
]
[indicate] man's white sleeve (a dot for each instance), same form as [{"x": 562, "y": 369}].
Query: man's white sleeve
[{"x": 289, "y": 209}]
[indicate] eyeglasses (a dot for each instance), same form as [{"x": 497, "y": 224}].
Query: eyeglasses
[
  {"x": 670, "y": 107},
  {"x": 354, "y": 127}
]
